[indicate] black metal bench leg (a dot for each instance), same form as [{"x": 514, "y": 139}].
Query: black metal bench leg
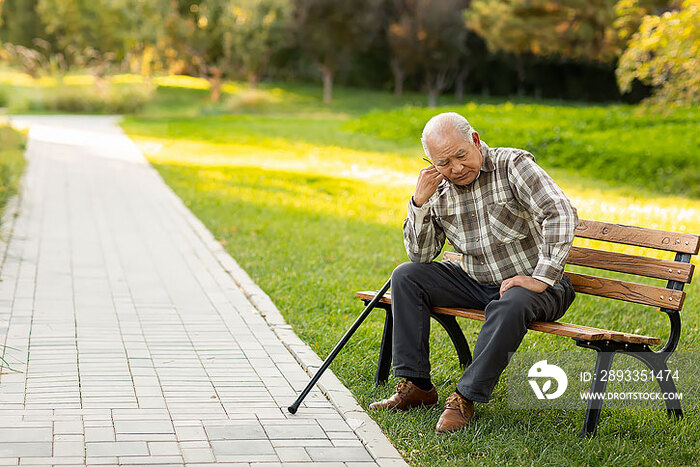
[
  {"x": 673, "y": 406},
  {"x": 657, "y": 363},
  {"x": 384, "y": 363},
  {"x": 602, "y": 365},
  {"x": 457, "y": 336}
]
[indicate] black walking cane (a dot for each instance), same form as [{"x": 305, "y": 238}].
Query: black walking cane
[{"x": 339, "y": 346}]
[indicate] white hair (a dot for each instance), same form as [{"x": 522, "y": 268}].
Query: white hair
[{"x": 443, "y": 122}]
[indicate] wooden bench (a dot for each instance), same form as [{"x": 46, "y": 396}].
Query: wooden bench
[{"x": 606, "y": 342}]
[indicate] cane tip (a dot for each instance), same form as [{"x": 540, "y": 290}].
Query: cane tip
[{"x": 292, "y": 409}]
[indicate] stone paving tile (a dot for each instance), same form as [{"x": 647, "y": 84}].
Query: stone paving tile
[
  {"x": 26, "y": 449},
  {"x": 21, "y": 434},
  {"x": 339, "y": 454},
  {"x": 151, "y": 460},
  {"x": 117, "y": 448},
  {"x": 251, "y": 430},
  {"x": 198, "y": 455},
  {"x": 143, "y": 426},
  {"x": 43, "y": 461},
  {"x": 300, "y": 432},
  {"x": 144, "y": 351},
  {"x": 68, "y": 448},
  {"x": 293, "y": 454},
  {"x": 102, "y": 461},
  {"x": 242, "y": 447},
  {"x": 145, "y": 437},
  {"x": 164, "y": 448}
]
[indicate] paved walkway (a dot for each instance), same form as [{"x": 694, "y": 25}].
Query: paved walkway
[{"x": 139, "y": 339}]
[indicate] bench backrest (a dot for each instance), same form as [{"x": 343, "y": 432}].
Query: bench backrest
[{"x": 677, "y": 272}]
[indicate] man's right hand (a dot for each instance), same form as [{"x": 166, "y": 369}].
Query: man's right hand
[{"x": 428, "y": 181}]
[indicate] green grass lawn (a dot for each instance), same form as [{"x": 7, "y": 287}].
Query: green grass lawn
[
  {"x": 12, "y": 162},
  {"x": 310, "y": 199}
]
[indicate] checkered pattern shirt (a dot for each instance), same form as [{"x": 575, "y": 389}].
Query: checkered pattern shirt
[{"x": 512, "y": 220}]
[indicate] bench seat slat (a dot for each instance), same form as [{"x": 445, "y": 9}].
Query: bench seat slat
[
  {"x": 631, "y": 264},
  {"x": 558, "y": 328},
  {"x": 638, "y": 236}
]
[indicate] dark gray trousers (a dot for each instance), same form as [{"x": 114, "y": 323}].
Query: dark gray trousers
[{"x": 417, "y": 287}]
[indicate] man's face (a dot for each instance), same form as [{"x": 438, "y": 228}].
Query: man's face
[{"x": 455, "y": 158}]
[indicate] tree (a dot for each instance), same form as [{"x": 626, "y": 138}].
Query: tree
[
  {"x": 402, "y": 38},
  {"x": 442, "y": 37},
  {"x": 20, "y": 23},
  {"x": 96, "y": 31},
  {"x": 572, "y": 29},
  {"x": 665, "y": 53},
  {"x": 147, "y": 44},
  {"x": 255, "y": 29},
  {"x": 195, "y": 33},
  {"x": 426, "y": 36},
  {"x": 629, "y": 15},
  {"x": 330, "y": 31},
  {"x": 474, "y": 52}
]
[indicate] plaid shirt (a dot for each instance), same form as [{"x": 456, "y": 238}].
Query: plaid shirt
[{"x": 512, "y": 220}]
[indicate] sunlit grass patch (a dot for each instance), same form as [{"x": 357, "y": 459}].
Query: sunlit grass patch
[
  {"x": 281, "y": 154},
  {"x": 181, "y": 81}
]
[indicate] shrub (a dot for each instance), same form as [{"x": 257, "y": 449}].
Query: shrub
[
  {"x": 251, "y": 98},
  {"x": 117, "y": 99},
  {"x": 4, "y": 97}
]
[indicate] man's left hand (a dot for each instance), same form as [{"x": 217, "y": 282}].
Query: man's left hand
[{"x": 526, "y": 282}]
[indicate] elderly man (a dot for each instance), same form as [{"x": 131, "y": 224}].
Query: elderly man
[{"x": 514, "y": 227}]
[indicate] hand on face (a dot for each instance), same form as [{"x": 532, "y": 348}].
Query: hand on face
[
  {"x": 456, "y": 158},
  {"x": 526, "y": 282},
  {"x": 428, "y": 181}
]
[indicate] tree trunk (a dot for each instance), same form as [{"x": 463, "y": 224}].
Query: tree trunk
[
  {"x": 100, "y": 79},
  {"x": 147, "y": 62},
  {"x": 520, "y": 67},
  {"x": 435, "y": 83},
  {"x": 327, "y": 83},
  {"x": 398, "y": 78},
  {"x": 398, "y": 85},
  {"x": 432, "y": 98},
  {"x": 459, "y": 85},
  {"x": 253, "y": 80},
  {"x": 215, "y": 82}
]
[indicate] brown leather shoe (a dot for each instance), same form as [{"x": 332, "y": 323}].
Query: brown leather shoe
[
  {"x": 458, "y": 413},
  {"x": 407, "y": 395}
]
